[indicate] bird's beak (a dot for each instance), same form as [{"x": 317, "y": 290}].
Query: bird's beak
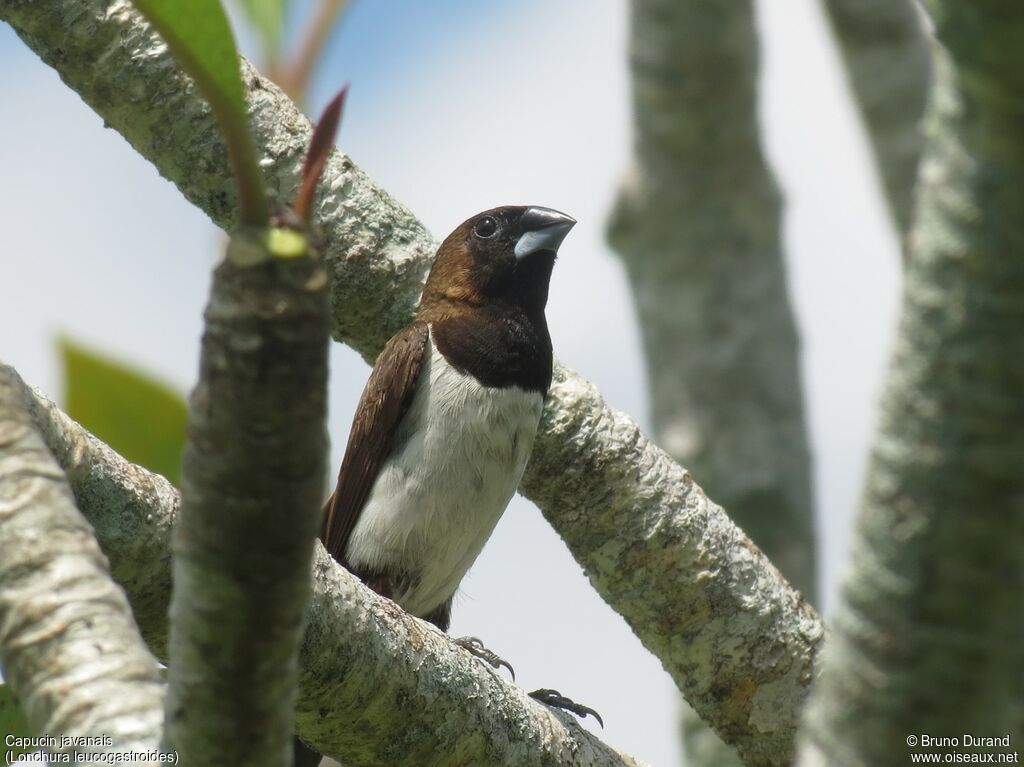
[{"x": 543, "y": 229}]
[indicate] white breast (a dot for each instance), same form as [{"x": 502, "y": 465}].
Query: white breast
[{"x": 437, "y": 499}]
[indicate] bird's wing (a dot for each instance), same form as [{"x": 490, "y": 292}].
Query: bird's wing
[{"x": 386, "y": 399}]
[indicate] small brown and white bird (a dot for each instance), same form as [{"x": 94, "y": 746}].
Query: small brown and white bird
[
  {"x": 448, "y": 417},
  {"x": 446, "y": 422}
]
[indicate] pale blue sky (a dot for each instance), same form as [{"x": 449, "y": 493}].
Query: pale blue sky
[{"x": 102, "y": 248}]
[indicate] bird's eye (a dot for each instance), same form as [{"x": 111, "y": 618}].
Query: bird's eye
[{"x": 486, "y": 227}]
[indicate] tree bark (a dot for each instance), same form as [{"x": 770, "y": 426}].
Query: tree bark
[
  {"x": 625, "y": 509},
  {"x": 131, "y": 510},
  {"x": 253, "y": 474},
  {"x": 747, "y": 661},
  {"x": 930, "y": 635},
  {"x": 68, "y": 645},
  {"x": 377, "y": 685},
  {"x": 888, "y": 67},
  {"x": 694, "y": 589},
  {"x": 697, "y": 226}
]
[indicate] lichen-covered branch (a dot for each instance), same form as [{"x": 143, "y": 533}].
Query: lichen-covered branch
[
  {"x": 888, "y": 68},
  {"x": 377, "y": 254},
  {"x": 130, "y": 509},
  {"x": 930, "y": 635},
  {"x": 738, "y": 641},
  {"x": 376, "y": 251},
  {"x": 377, "y": 686},
  {"x": 252, "y": 489},
  {"x": 68, "y": 644},
  {"x": 381, "y": 687},
  {"x": 697, "y": 225}
]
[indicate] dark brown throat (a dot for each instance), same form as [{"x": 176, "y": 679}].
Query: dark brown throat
[{"x": 499, "y": 345}]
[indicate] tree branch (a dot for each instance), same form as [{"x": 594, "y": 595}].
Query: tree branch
[
  {"x": 68, "y": 644},
  {"x": 888, "y": 69},
  {"x": 930, "y": 634},
  {"x": 130, "y": 509},
  {"x": 697, "y": 226},
  {"x": 252, "y": 489},
  {"x": 377, "y": 685},
  {"x": 739, "y": 642},
  {"x": 625, "y": 509}
]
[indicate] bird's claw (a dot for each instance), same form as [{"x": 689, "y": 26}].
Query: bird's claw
[
  {"x": 552, "y": 698},
  {"x": 555, "y": 699},
  {"x": 476, "y": 648}
]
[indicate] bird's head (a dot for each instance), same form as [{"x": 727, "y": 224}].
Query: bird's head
[{"x": 501, "y": 255}]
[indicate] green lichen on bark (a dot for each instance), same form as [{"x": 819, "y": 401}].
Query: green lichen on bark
[
  {"x": 253, "y": 474},
  {"x": 697, "y": 225},
  {"x": 131, "y": 510},
  {"x": 930, "y": 635},
  {"x": 116, "y": 63},
  {"x": 359, "y": 648},
  {"x": 376, "y": 254},
  {"x": 739, "y": 642},
  {"x": 888, "y": 67},
  {"x": 68, "y": 645}
]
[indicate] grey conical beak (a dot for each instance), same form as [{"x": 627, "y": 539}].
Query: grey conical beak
[{"x": 543, "y": 229}]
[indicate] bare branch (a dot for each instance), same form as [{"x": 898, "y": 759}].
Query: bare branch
[
  {"x": 131, "y": 510},
  {"x": 739, "y": 642},
  {"x": 930, "y": 635},
  {"x": 697, "y": 225},
  {"x": 382, "y": 687},
  {"x": 888, "y": 67},
  {"x": 377, "y": 685},
  {"x": 252, "y": 487},
  {"x": 714, "y": 584},
  {"x": 68, "y": 644}
]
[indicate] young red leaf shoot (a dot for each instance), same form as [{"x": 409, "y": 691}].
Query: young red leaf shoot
[{"x": 319, "y": 148}]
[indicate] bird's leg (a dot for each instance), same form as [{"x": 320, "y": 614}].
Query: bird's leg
[
  {"x": 555, "y": 699},
  {"x": 552, "y": 698},
  {"x": 476, "y": 648}
]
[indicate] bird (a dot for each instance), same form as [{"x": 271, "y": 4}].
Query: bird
[{"x": 447, "y": 419}]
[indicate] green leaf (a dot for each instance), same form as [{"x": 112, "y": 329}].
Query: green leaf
[
  {"x": 12, "y": 722},
  {"x": 198, "y": 34},
  {"x": 140, "y": 417},
  {"x": 267, "y": 17}
]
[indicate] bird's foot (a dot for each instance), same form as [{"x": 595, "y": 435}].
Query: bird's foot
[
  {"x": 476, "y": 648},
  {"x": 555, "y": 699}
]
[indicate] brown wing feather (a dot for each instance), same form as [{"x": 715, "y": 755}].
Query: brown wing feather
[{"x": 386, "y": 399}]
